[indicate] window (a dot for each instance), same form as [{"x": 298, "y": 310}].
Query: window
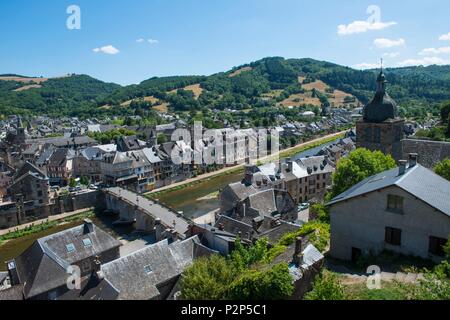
[
  {"x": 395, "y": 203},
  {"x": 436, "y": 246},
  {"x": 148, "y": 269},
  {"x": 70, "y": 247},
  {"x": 393, "y": 236},
  {"x": 87, "y": 242}
]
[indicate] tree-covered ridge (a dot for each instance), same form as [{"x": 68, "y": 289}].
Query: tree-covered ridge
[
  {"x": 263, "y": 83},
  {"x": 72, "y": 95}
]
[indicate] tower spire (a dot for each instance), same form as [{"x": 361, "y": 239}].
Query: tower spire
[{"x": 381, "y": 80}]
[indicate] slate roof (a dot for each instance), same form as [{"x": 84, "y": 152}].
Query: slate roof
[
  {"x": 151, "y": 155},
  {"x": 42, "y": 267},
  {"x": 131, "y": 143},
  {"x": 60, "y": 156},
  {"x": 29, "y": 168},
  {"x": 418, "y": 181},
  {"x": 64, "y": 141},
  {"x": 275, "y": 234},
  {"x": 92, "y": 153},
  {"x": 233, "y": 226},
  {"x": 138, "y": 275},
  {"x": 12, "y": 294},
  {"x": 264, "y": 202},
  {"x": 3, "y": 276},
  {"x": 316, "y": 165},
  {"x": 382, "y": 107}
]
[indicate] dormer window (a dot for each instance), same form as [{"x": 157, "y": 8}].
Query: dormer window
[
  {"x": 148, "y": 269},
  {"x": 70, "y": 248},
  {"x": 87, "y": 242}
]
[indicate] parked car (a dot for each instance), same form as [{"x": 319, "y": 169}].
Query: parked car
[{"x": 304, "y": 206}]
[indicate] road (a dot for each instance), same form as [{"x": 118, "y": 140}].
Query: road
[
  {"x": 156, "y": 210},
  {"x": 228, "y": 169}
]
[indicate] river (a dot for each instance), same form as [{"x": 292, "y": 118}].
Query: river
[{"x": 191, "y": 200}]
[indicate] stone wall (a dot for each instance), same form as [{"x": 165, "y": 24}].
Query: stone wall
[
  {"x": 430, "y": 152},
  {"x": 79, "y": 201}
]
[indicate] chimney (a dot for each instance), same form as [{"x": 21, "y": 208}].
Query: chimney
[
  {"x": 88, "y": 226},
  {"x": 402, "y": 167},
  {"x": 413, "y": 159},
  {"x": 97, "y": 264},
  {"x": 290, "y": 165},
  {"x": 298, "y": 256},
  {"x": 298, "y": 245},
  {"x": 159, "y": 230}
]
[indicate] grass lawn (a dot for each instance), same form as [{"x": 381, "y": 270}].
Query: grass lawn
[{"x": 388, "y": 291}]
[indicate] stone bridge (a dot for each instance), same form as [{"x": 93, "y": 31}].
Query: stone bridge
[{"x": 147, "y": 213}]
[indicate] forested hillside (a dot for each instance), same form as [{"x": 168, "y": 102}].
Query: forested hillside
[{"x": 268, "y": 82}]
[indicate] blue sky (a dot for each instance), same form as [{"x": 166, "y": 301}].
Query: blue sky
[{"x": 208, "y": 36}]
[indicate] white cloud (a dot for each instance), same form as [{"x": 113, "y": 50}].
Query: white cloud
[
  {"x": 109, "y": 49},
  {"x": 427, "y": 61},
  {"x": 362, "y": 26},
  {"x": 434, "y": 51},
  {"x": 153, "y": 41},
  {"x": 366, "y": 65},
  {"x": 140, "y": 40},
  {"x": 388, "y": 43},
  {"x": 391, "y": 54},
  {"x": 445, "y": 37}
]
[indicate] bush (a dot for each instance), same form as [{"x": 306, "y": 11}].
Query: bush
[
  {"x": 326, "y": 287},
  {"x": 443, "y": 169}
]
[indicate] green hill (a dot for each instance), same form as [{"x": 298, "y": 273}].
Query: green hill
[{"x": 263, "y": 83}]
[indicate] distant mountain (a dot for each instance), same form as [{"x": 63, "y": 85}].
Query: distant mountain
[{"x": 271, "y": 81}]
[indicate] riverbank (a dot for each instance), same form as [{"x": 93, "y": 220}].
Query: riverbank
[
  {"x": 239, "y": 168},
  {"x": 44, "y": 224},
  {"x": 50, "y": 219}
]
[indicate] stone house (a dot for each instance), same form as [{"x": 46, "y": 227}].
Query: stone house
[
  {"x": 87, "y": 162},
  {"x": 42, "y": 270},
  {"x": 405, "y": 210},
  {"x": 59, "y": 168},
  {"x": 153, "y": 273}
]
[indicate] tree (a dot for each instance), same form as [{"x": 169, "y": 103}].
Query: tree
[
  {"x": 326, "y": 287},
  {"x": 320, "y": 212},
  {"x": 443, "y": 168},
  {"x": 161, "y": 138},
  {"x": 207, "y": 279},
  {"x": 359, "y": 165},
  {"x": 85, "y": 181},
  {"x": 72, "y": 183},
  {"x": 273, "y": 284},
  {"x": 244, "y": 275}
]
